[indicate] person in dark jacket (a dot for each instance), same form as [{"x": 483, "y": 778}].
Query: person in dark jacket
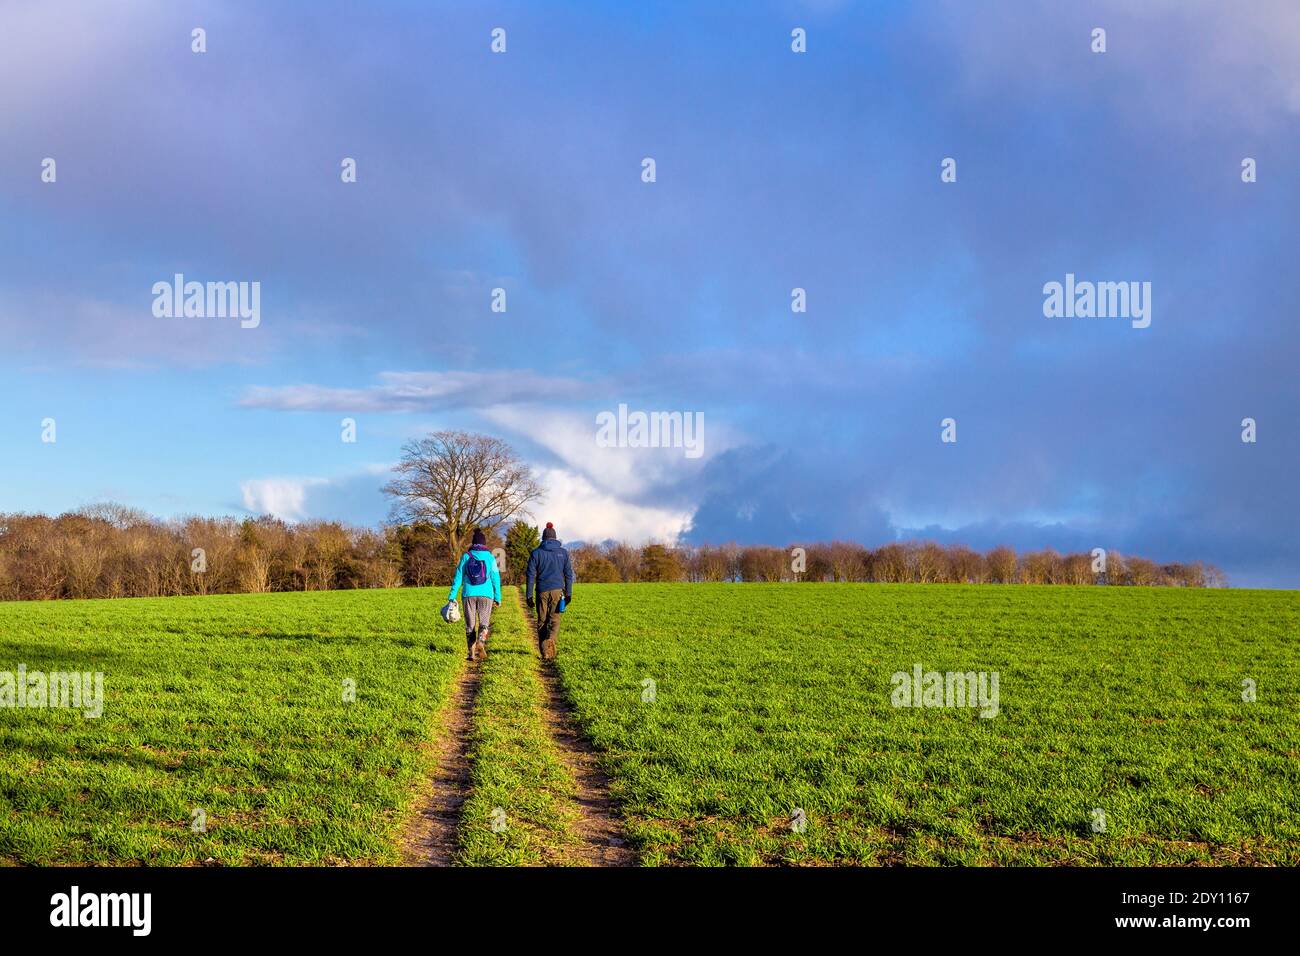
[{"x": 549, "y": 580}]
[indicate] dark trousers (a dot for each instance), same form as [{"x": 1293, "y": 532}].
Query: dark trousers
[{"x": 548, "y": 618}]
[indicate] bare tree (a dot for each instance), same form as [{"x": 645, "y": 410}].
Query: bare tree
[
  {"x": 459, "y": 481},
  {"x": 1001, "y": 563},
  {"x": 967, "y": 565},
  {"x": 848, "y": 561},
  {"x": 711, "y": 564},
  {"x": 762, "y": 563},
  {"x": 1077, "y": 569},
  {"x": 255, "y": 570},
  {"x": 626, "y": 560}
]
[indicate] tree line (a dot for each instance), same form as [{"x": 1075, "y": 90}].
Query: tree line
[
  {"x": 109, "y": 550},
  {"x": 917, "y": 562}
]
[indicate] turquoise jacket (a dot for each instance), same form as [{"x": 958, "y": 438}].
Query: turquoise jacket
[{"x": 489, "y": 588}]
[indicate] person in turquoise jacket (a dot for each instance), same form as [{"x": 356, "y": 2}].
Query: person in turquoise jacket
[{"x": 480, "y": 578}]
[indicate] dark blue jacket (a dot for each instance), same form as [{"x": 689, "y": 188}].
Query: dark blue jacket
[{"x": 550, "y": 568}]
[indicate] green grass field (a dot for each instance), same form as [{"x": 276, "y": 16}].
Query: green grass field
[
  {"x": 231, "y": 704},
  {"x": 768, "y": 699},
  {"x": 772, "y": 698}
]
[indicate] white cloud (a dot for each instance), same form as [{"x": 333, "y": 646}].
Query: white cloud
[
  {"x": 417, "y": 392},
  {"x": 283, "y": 498},
  {"x": 592, "y": 493},
  {"x": 626, "y": 472},
  {"x": 581, "y": 511},
  {"x": 627, "y": 494}
]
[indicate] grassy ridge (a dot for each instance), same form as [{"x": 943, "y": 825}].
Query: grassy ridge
[
  {"x": 773, "y": 698},
  {"x": 233, "y": 704},
  {"x": 514, "y": 763}
]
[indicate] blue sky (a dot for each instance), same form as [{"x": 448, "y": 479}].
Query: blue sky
[{"x": 775, "y": 170}]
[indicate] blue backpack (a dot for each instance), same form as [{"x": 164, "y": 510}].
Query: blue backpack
[{"x": 475, "y": 569}]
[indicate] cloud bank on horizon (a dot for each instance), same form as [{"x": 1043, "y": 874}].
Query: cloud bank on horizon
[{"x": 523, "y": 172}]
